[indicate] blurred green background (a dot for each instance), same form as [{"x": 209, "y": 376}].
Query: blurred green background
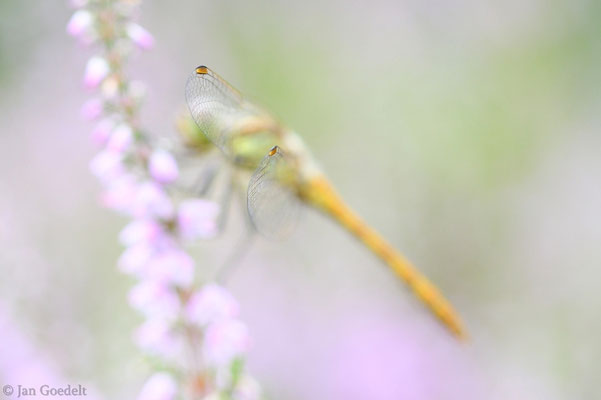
[{"x": 466, "y": 132}]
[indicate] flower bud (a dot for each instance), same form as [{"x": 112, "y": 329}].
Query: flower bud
[
  {"x": 151, "y": 201},
  {"x": 91, "y": 109},
  {"x": 140, "y": 36},
  {"x": 107, "y": 165},
  {"x": 121, "y": 138},
  {"x": 172, "y": 266},
  {"x": 160, "y": 386},
  {"x": 102, "y": 131},
  {"x": 224, "y": 341},
  {"x": 163, "y": 167},
  {"x": 140, "y": 231},
  {"x": 97, "y": 69},
  {"x": 154, "y": 299},
  {"x": 80, "y": 23},
  {"x": 197, "y": 218},
  {"x": 210, "y": 304}
]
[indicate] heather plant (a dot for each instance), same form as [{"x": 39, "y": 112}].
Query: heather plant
[{"x": 192, "y": 334}]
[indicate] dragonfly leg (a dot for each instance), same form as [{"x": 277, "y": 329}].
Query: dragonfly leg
[
  {"x": 225, "y": 201},
  {"x": 241, "y": 248},
  {"x": 204, "y": 181}
]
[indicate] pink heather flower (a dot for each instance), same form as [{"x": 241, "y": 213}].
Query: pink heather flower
[
  {"x": 140, "y": 36},
  {"x": 172, "y": 266},
  {"x": 135, "y": 258},
  {"x": 121, "y": 138},
  {"x": 154, "y": 299},
  {"x": 247, "y": 389},
  {"x": 80, "y": 22},
  {"x": 151, "y": 201},
  {"x": 91, "y": 109},
  {"x": 197, "y": 218},
  {"x": 162, "y": 166},
  {"x": 120, "y": 193},
  {"x": 224, "y": 341},
  {"x": 96, "y": 70},
  {"x": 107, "y": 165},
  {"x": 155, "y": 336},
  {"x": 110, "y": 87},
  {"x": 140, "y": 231},
  {"x": 160, "y": 386},
  {"x": 102, "y": 131},
  {"x": 210, "y": 304}
]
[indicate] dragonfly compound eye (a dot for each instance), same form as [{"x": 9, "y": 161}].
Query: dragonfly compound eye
[{"x": 201, "y": 70}]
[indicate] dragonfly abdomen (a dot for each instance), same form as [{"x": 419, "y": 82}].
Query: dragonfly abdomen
[{"x": 321, "y": 195}]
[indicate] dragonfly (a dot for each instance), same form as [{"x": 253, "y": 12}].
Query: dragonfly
[{"x": 285, "y": 175}]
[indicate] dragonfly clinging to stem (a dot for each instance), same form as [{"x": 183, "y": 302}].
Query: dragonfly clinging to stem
[{"x": 285, "y": 174}]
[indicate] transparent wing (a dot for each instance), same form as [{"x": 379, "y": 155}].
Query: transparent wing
[
  {"x": 273, "y": 205},
  {"x": 220, "y": 110}
]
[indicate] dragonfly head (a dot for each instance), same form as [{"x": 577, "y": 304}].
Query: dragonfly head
[
  {"x": 201, "y": 70},
  {"x": 274, "y": 150}
]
